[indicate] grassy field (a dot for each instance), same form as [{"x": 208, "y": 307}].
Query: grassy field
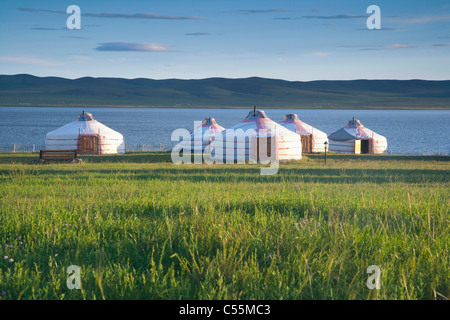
[{"x": 141, "y": 227}]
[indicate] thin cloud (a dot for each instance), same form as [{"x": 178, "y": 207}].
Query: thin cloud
[
  {"x": 360, "y": 46},
  {"x": 441, "y": 45},
  {"x": 320, "y": 54},
  {"x": 47, "y": 29},
  {"x": 197, "y": 34},
  {"x": 75, "y": 37},
  {"x": 382, "y": 29},
  {"x": 133, "y": 46},
  {"x": 118, "y": 15},
  {"x": 396, "y": 46},
  {"x": 400, "y": 46},
  {"x": 285, "y": 18},
  {"x": 422, "y": 19},
  {"x": 24, "y": 60},
  {"x": 41, "y": 10},
  {"x": 140, "y": 16},
  {"x": 256, "y": 11},
  {"x": 338, "y": 16}
]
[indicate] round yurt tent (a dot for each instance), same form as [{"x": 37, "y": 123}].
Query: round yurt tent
[
  {"x": 201, "y": 137},
  {"x": 312, "y": 139},
  {"x": 87, "y": 135},
  {"x": 246, "y": 140},
  {"x": 357, "y": 139}
]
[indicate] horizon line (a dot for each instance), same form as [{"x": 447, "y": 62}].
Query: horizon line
[{"x": 218, "y": 77}]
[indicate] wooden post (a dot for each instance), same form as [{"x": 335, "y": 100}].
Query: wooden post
[
  {"x": 34, "y": 148},
  {"x": 14, "y": 150}
]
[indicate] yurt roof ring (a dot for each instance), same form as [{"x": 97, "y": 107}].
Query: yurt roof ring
[{"x": 85, "y": 116}]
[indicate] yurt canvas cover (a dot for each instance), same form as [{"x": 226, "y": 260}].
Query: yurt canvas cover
[
  {"x": 201, "y": 137},
  {"x": 87, "y": 135},
  {"x": 355, "y": 138},
  {"x": 244, "y": 147},
  {"x": 312, "y": 139}
]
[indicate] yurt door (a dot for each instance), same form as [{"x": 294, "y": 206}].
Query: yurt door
[
  {"x": 88, "y": 145},
  {"x": 306, "y": 143},
  {"x": 268, "y": 142},
  {"x": 365, "y": 146}
]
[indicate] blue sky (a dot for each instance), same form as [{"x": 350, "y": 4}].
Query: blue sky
[{"x": 292, "y": 40}]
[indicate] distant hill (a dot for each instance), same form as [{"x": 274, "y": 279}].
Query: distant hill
[{"x": 28, "y": 90}]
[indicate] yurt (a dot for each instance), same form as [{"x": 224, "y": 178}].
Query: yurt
[
  {"x": 312, "y": 139},
  {"x": 87, "y": 135},
  {"x": 201, "y": 137},
  {"x": 244, "y": 140},
  {"x": 357, "y": 139}
]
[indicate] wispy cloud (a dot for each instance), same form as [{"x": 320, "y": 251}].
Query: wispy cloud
[
  {"x": 74, "y": 37},
  {"x": 26, "y": 60},
  {"x": 441, "y": 45},
  {"x": 256, "y": 11},
  {"x": 382, "y": 29},
  {"x": 133, "y": 46},
  {"x": 285, "y": 18},
  {"x": 118, "y": 15},
  {"x": 420, "y": 19},
  {"x": 47, "y": 29},
  {"x": 361, "y": 46},
  {"x": 41, "y": 10},
  {"x": 320, "y": 54},
  {"x": 396, "y": 46},
  {"x": 399, "y": 46},
  {"x": 38, "y": 27},
  {"x": 338, "y": 16},
  {"x": 197, "y": 34}
]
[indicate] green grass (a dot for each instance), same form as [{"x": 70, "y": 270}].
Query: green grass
[{"x": 141, "y": 227}]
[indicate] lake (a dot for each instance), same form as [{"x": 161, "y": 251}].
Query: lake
[{"x": 407, "y": 131}]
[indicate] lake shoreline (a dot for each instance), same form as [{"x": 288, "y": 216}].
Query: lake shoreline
[{"x": 218, "y": 107}]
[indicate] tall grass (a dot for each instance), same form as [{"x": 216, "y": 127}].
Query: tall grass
[{"x": 161, "y": 231}]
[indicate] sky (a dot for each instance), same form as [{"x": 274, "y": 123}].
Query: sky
[{"x": 291, "y": 40}]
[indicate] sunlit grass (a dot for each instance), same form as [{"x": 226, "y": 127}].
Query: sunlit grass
[{"x": 143, "y": 230}]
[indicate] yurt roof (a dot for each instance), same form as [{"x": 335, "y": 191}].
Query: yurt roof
[
  {"x": 209, "y": 122},
  {"x": 85, "y": 124},
  {"x": 354, "y": 130},
  {"x": 258, "y": 120},
  {"x": 209, "y": 125},
  {"x": 293, "y": 123}
]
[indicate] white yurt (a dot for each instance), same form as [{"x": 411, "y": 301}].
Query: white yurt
[
  {"x": 244, "y": 140},
  {"x": 87, "y": 135},
  {"x": 357, "y": 139},
  {"x": 312, "y": 139},
  {"x": 201, "y": 137}
]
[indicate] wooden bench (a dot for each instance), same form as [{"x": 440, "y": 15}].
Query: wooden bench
[{"x": 69, "y": 156}]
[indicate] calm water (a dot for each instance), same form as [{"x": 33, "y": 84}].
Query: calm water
[{"x": 407, "y": 131}]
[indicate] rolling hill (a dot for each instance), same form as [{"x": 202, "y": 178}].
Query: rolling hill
[{"x": 28, "y": 90}]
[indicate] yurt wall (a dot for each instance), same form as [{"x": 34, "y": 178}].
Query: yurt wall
[
  {"x": 87, "y": 135},
  {"x": 254, "y": 134},
  {"x": 201, "y": 137},
  {"x": 357, "y": 139},
  {"x": 312, "y": 139}
]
